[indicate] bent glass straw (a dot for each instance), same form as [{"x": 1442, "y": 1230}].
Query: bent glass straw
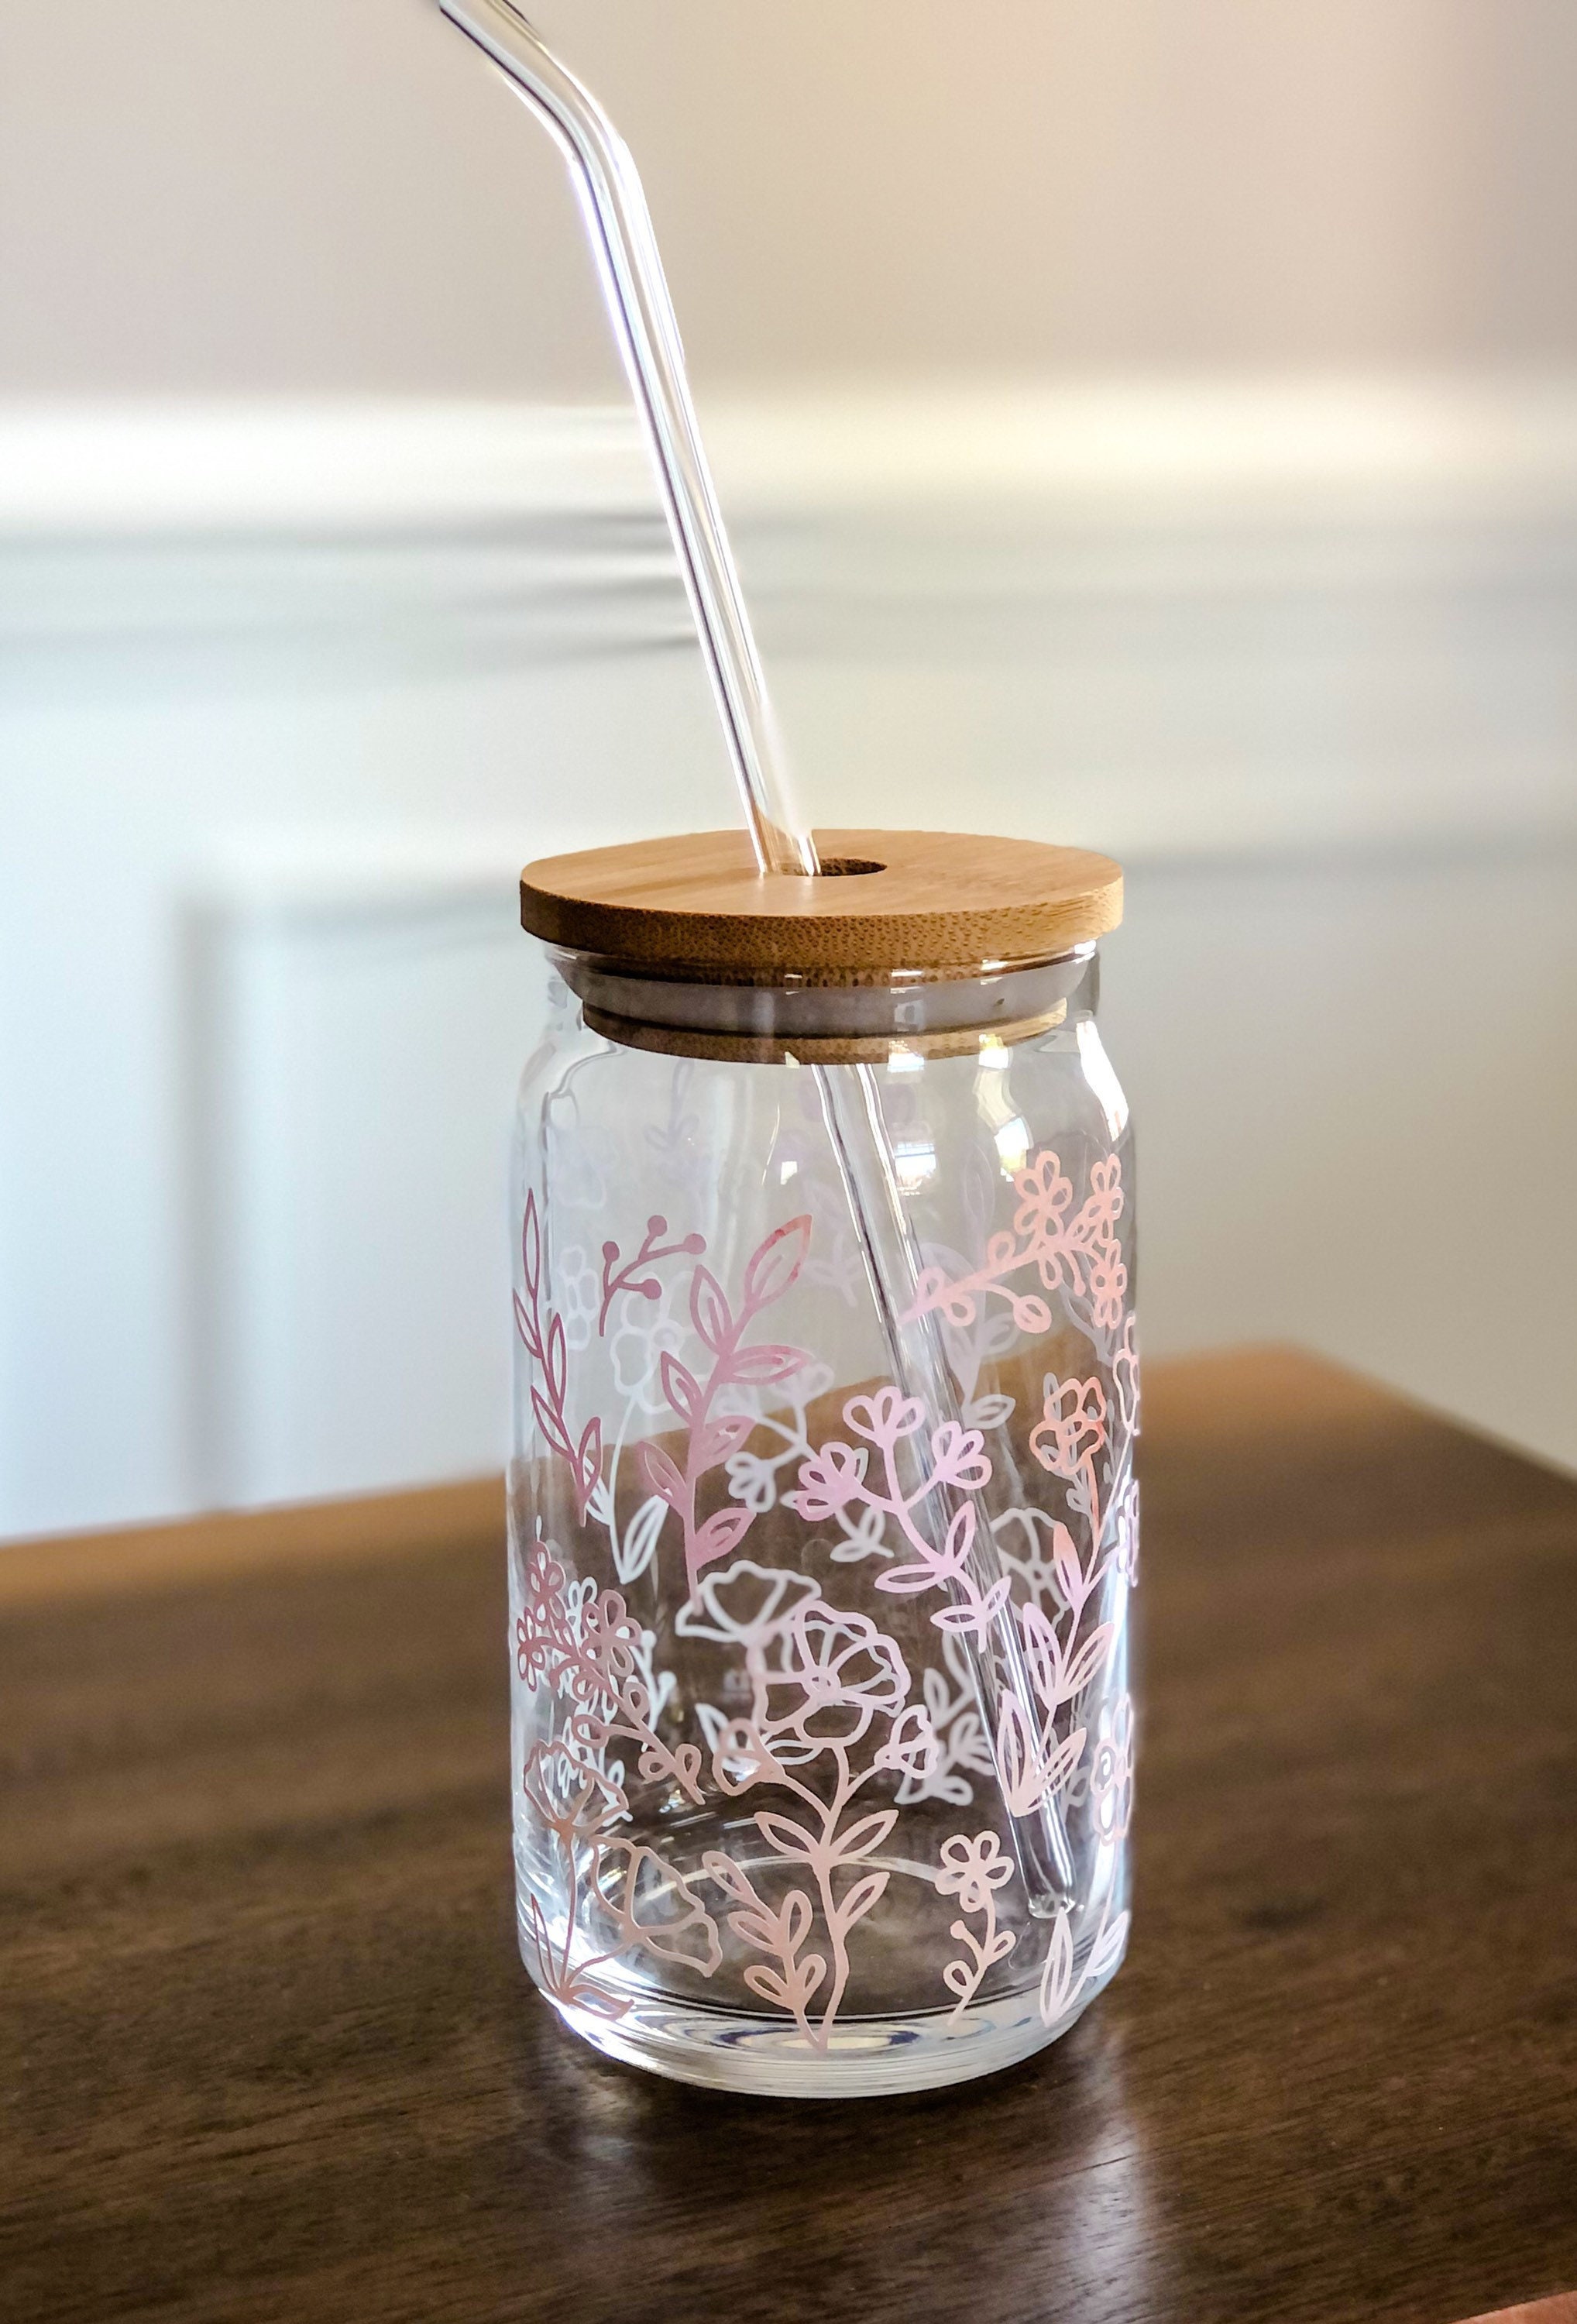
[{"x": 619, "y": 226}]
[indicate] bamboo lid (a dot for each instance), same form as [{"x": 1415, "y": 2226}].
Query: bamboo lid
[{"x": 945, "y": 902}]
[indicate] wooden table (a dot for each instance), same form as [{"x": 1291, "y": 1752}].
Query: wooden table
[{"x": 266, "y": 2051}]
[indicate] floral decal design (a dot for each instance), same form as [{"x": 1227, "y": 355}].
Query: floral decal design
[
  {"x": 576, "y": 1647},
  {"x": 972, "y": 1871},
  {"x": 838, "y": 1476},
  {"x": 1078, "y": 1255},
  {"x": 715, "y": 1429},
  {"x": 1061, "y": 1984},
  {"x": 629, "y": 1278},
  {"x": 822, "y": 1684},
  {"x": 818, "y": 1723},
  {"x": 582, "y": 1642},
  {"x": 543, "y": 1335}
]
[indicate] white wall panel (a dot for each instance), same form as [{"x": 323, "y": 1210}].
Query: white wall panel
[{"x": 288, "y": 698}]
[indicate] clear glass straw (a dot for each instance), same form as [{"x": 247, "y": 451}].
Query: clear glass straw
[{"x": 619, "y": 226}]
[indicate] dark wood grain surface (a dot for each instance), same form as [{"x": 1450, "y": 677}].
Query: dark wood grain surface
[{"x": 267, "y": 2052}]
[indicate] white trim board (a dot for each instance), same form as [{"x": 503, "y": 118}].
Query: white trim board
[{"x": 1194, "y": 618}]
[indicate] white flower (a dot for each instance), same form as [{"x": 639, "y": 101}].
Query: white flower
[
  {"x": 746, "y": 1605},
  {"x": 752, "y": 1480},
  {"x": 575, "y": 1297},
  {"x": 644, "y": 1332}
]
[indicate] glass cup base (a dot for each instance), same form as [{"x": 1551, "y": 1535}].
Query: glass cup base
[{"x": 868, "y": 2057}]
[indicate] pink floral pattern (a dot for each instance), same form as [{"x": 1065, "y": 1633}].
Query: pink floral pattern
[
  {"x": 972, "y": 1871},
  {"x": 543, "y": 1336},
  {"x": 629, "y": 1278},
  {"x": 821, "y": 1681},
  {"x": 839, "y": 1476},
  {"x": 1075, "y": 1252},
  {"x": 713, "y": 1432},
  {"x": 582, "y": 1642},
  {"x": 822, "y": 1731},
  {"x": 577, "y": 1648}
]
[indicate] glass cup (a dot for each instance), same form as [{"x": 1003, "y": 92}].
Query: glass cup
[{"x": 822, "y": 1731}]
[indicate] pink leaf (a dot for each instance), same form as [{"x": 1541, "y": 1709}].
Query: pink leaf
[
  {"x": 680, "y": 1387},
  {"x": 1061, "y": 1766},
  {"x": 860, "y": 1839},
  {"x": 588, "y": 1464},
  {"x": 960, "y": 1539},
  {"x": 797, "y": 1919},
  {"x": 661, "y": 1475},
  {"x": 709, "y": 1310},
  {"x": 1056, "y": 1982},
  {"x": 720, "y": 1438},
  {"x": 1089, "y": 1659},
  {"x": 718, "y": 1535},
  {"x": 761, "y": 1366},
  {"x": 531, "y": 1249},
  {"x": 728, "y": 1874},
  {"x": 808, "y": 1972},
  {"x": 1064, "y": 1558},
  {"x": 860, "y": 1899},
  {"x": 786, "y": 1836},
  {"x": 1018, "y": 1757},
  {"x": 907, "y": 1580},
  {"x": 526, "y": 1329},
  {"x": 766, "y": 1982},
  {"x": 776, "y": 1265},
  {"x": 552, "y": 1428},
  {"x": 556, "y": 1359},
  {"x": 978, "y": 1615},
  {"x": 540, "y": 1937},
  {"x": 1107, "y": 1951},
  {"x": 1043, "y": 1652},
  {"x": 996, "y": 1598}
]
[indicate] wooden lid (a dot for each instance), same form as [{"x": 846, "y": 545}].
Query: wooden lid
[{"x": 943, "y": 901}]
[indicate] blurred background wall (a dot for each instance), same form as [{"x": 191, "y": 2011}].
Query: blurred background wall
[
  {"x": 326, "y": 196},
  {"x": 1148, "y": 422}
]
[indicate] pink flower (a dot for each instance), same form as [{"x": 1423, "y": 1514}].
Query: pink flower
[
  {"x": 1043, "y": 1195},
  {"x": 1108, "y": 1286},
  {"x": 1073, "y": 1428},
  {"x": 958, "y": 1456},
  {"x": 745, "y": 1603},
  {"x": 610, "y": 1642},
  {"x": 1103, "y": 1205},
  {"x": 828, "y": 1481},
  {"x": 838, "y": 1672},
  {"x": 884, "y": 1418},
  {"x": 971, "y": 1869},
  {"x": 539, "y": 1631}
]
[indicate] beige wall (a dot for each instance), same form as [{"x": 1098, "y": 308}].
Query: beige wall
[{"x": 330, "y": 195}]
